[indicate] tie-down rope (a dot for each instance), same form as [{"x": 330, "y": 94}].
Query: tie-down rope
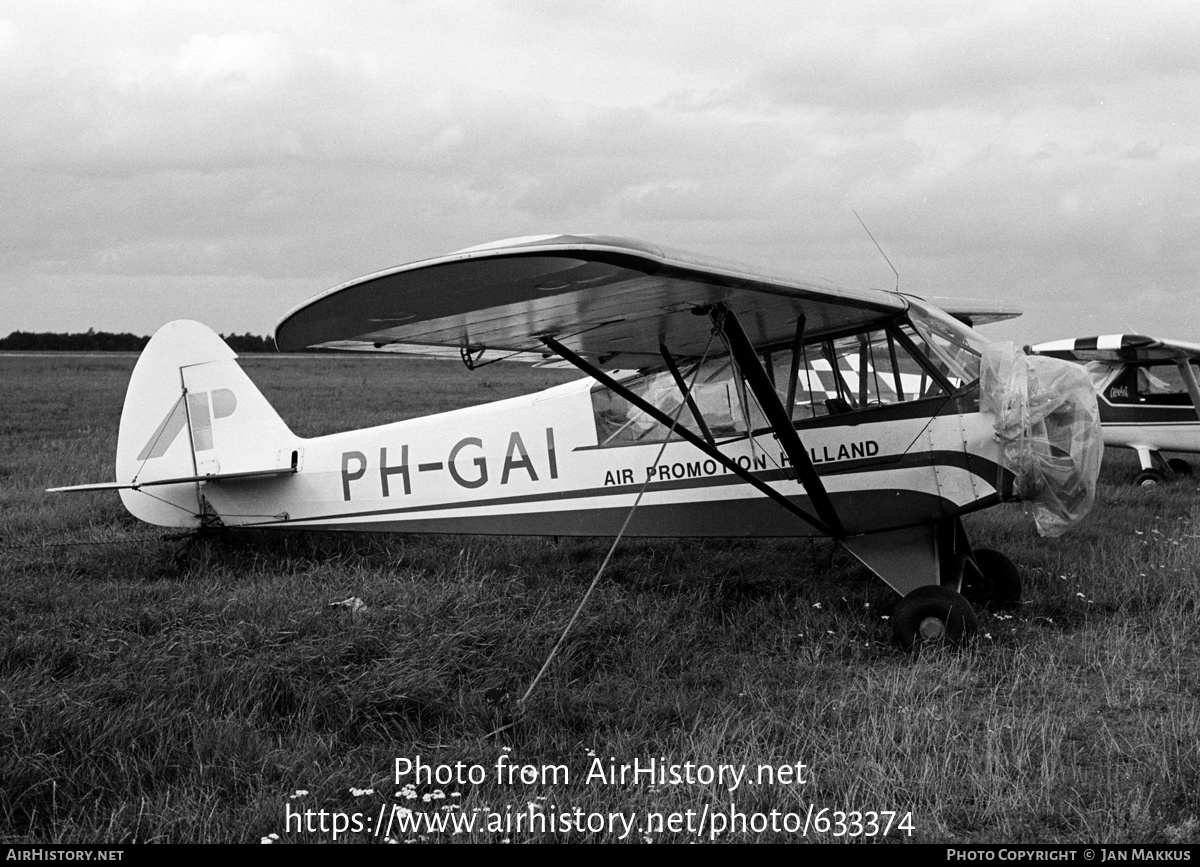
[{"x": 612, "y": 548}]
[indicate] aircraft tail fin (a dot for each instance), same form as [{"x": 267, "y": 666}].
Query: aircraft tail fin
[{"x": 191, "y": 415}]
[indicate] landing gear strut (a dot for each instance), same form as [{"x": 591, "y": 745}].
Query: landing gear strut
[
  {"x": 940, "y": 578},
  {"x": 1157, "y": 470}
]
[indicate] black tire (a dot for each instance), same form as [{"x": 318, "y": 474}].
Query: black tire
[
  {"x": 933, "y": 616},
  {"x": 995, "y": 583},
  {"x": 977, "y": 585},
  {"x": 1149, "y": 478},
  {"x": 1180, "y": 467}
]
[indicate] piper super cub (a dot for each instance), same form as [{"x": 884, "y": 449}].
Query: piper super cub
[{"x": 735, "y": 403}]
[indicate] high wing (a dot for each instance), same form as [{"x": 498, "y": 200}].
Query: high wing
[
  {"x": 612, "y": 300},
  {"x": 1117, "y": 348}
]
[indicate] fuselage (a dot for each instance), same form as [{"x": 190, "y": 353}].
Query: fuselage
[
  {"x": 536, "y": 465},
  {"x": 1147, "y": 407}
]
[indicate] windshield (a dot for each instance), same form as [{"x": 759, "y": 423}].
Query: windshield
[{"x": 951, "y": 346}]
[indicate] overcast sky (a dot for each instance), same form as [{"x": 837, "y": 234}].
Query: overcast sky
[{"x": 224, "y": 161}]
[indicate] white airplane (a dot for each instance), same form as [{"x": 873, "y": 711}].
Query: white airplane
[
  {"x": 1148, "y": 395},
  {"x": 746, "y": 405}
]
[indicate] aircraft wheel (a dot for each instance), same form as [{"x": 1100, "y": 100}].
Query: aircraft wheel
[
  {"x": 933, "y": 616},
  {"x": 977, "y": 585},
  {"x": 1180, "y": 467},
  {"x": 1000, "y": 586},
  {"x": 1149, "y": 478}
]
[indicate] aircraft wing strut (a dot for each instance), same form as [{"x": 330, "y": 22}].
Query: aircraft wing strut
[
  {"x": 1189, "y": 379},
  {"x": 826, "y": 522},
  {"x": 687, "y": 394},
  {"x": 781, "y": 423}
]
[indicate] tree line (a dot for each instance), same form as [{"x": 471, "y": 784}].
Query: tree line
[{"x": 104, "y": 341}]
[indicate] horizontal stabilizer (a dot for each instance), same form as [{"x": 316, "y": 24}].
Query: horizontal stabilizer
[{"x": 211, "y": 477}]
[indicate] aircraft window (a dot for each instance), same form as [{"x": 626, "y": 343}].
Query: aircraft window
[
  {"x": 721, "y": 397},
  {"x": 857, "y": 372},
  {"x": 953, "y": 348},
  {"x": 1162, "y": 383},
  {"x": 815, "y": 382},
  {"x": 1160, "y": 380},
  {"x": 1109, "y": 379}
]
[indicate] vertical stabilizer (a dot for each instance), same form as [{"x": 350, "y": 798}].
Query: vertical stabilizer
[{"x": 190, "y": 411}]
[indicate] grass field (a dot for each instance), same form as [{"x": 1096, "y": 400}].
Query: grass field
[{"x": 171, "y": 690}]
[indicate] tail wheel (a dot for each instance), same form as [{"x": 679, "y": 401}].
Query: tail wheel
[
  {"x": 1180, "y": 467},
  {"x": 1149, "y": 478},
  {"x": 933, "y": 616},
  {"x": 994, "y": 583}
]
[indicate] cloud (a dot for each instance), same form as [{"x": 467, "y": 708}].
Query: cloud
[
  {"x": 235, "y": 62},
  {"x": 1021, "y": 150},
  {"x": 992, "y": 58},
  {"x": 1143, "y": 151}
]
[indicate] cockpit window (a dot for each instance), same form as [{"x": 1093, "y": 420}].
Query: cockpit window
[
  {"x": 860, "y": 371},
  {"x": 1162, "y": 384},
  {"x": 926, "y": 354},
  {"x": 722, "y": 398},
  {"x": 951, "y": 346},
  {"x": 1160, "y": 380}
]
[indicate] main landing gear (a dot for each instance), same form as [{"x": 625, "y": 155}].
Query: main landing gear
[
  {"x": 941, "y": 578},
  {"x": 939, "y": 615},
  {"x": 1157, "y": 470}
]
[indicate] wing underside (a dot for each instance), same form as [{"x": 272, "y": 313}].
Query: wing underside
[{"x": 612, "y": 300}]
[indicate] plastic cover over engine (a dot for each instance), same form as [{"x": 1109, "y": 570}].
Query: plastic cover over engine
[{"x": 1048, "y": 424}]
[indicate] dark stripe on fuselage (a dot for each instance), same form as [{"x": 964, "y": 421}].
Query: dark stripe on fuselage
[
  {"x": 883, "y": 510},
  {"x": 748, "y": 518},
  {"x": 1148, "y": 414}
]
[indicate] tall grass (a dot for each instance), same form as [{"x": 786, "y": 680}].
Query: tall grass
[{"x": 196, "y": 689}]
